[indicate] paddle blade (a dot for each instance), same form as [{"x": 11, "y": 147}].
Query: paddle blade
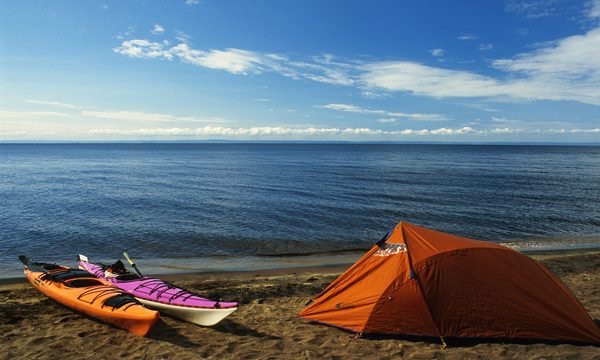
[
  {"x": 24, "y": 259},
  {"x": 128, "y": 258}
]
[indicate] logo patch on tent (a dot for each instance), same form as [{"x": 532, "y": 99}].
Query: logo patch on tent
[{"x": 390, "y": 249}]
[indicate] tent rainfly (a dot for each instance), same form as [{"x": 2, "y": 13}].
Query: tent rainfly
[{"x": 416, "y": 281}]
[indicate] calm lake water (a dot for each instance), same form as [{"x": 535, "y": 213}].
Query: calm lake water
[{"x": 220, "y": 203}]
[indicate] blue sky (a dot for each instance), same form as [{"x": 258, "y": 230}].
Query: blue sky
[{"x": 472, "y": 71}]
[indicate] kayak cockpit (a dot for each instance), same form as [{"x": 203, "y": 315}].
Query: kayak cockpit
[{"x": 83, "y": 282}]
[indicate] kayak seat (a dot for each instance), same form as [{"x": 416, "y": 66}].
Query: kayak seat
[
  {"x": 128, "y": 277},
  {"x": 118, "y": 301},
  {"x": 50, "y": 266}
]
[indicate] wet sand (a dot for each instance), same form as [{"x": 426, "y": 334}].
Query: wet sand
[{"x": 265, "y": 327}]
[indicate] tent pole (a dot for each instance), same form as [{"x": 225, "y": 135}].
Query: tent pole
[{"x": 443, "y": 342}]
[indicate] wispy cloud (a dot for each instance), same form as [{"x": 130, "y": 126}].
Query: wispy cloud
[
  {"x": 532, "y": 9},
  {"x": 23, "y": 115},
  {"x": 237, "y": 61},
  {"x": 437, "y": 52},
  {"x": 361, "y": 110},
  {"x": 182, "y": 37},
  {"x": 566, "y": 69},
  {"x": 158, "y": 29},
  {"x": 594, "y": 9},
  {"x": 503, "y": 120},
  {"x": 485, "y": 46},
  {"x": 480, "y": 106},
  {"x": 126, "y": 34},
  {"x": 51, "y": 103},
  {"x": 467, "y": 37},
  {"x": 192, "y": 2},
  {"x": 144, "y": 116}
]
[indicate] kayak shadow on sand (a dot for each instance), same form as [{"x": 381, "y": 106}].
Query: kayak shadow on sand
[
  {"x": 231, "y": 327},
  {"x": 161, "y": 331}
]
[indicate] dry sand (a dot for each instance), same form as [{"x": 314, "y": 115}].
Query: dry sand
[{"x": 265, "y": 327}]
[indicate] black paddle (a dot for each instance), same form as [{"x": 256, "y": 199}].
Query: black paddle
[
  {"x": 25, "y": 260},
  {"x": 132, "y": 264}
]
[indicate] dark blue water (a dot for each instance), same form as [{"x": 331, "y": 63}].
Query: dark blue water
[{"x": 198, "y": 200}]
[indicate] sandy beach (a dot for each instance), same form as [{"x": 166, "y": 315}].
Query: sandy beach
[{"x": 265, "y": 326}]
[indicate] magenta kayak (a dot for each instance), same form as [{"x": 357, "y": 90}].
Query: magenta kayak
[{"x": 162, "y": 295}]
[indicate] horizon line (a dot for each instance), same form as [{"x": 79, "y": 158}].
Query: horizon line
[{"x": 374, "y": 142}]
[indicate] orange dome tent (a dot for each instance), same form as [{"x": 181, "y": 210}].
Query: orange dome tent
[{"x": 422, "y": 282}]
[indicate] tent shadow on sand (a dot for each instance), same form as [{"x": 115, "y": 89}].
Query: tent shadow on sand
[{"x": 420, "y": 282}]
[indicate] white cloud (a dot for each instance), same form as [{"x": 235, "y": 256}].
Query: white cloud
[
  {"x": 141, "y": 48},
  {"x": 485, "y": 47},
  {"x": 51, "y": 103},
  {"x": 576, "y": 55},
  {"x": 361, "y": 110},
  {"x": 372, "y": 94},
  {"x": 467, "y": 37},
  {"x": 24, "y": 115},
  {"x": 566, "y": 69},
  {"x": 479, "y": 106},
  {"x": 504, "y": 120},
  {"x": 158, "y": 29},
  {"x": 447, "y": 131},
  {"x": 426, "y": 80},
  {"x": 192, "y": 2},
  {"x": 387, "y": 120},
  {"x": 437, "y": 52},
  {"x": 143, "y": 116},
  {"x": 532, "y": 9},
  {"x": 182, "y": 37},
  {"x": 574, "y": 131},
  {"x": 594, "y": 11},
  {"x": 278, "y": 131},
  {"x": 235, "y": 61},
  {"x": 505, "y": 131}
]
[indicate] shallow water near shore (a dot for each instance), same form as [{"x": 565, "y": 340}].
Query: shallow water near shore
[{"x": 205, "y": 207}]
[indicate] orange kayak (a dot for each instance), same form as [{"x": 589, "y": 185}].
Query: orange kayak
[{"x": 94, "y": 297}]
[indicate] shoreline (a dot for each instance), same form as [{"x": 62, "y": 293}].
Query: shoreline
[{"x": 310, "y": 266}]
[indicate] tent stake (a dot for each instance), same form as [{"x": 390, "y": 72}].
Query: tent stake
[{"x": 443, "y": 342}]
